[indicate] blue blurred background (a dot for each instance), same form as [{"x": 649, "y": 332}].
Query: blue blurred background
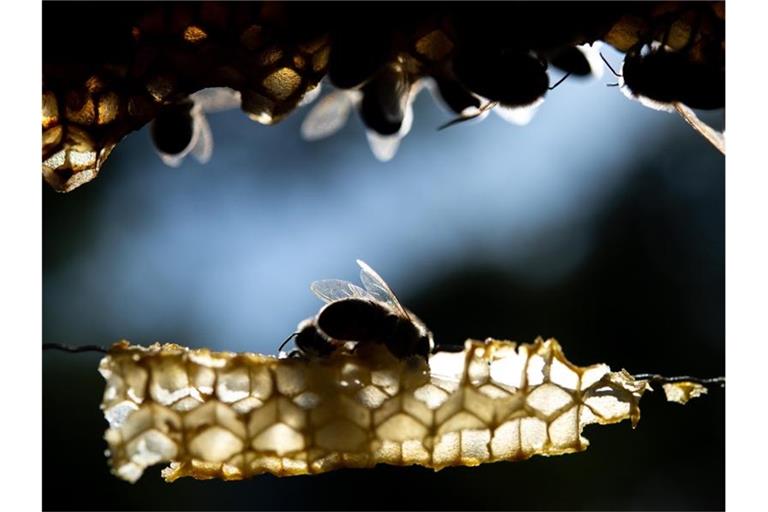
[{"x": 601, "y": 224}]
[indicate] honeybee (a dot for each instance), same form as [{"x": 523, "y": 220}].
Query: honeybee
[
  {"x": 510, "y": 81},
  {"x": 352, "y": 314},
  {"x": 652, "y": 73},
  {"x": 181, "y": 128}
]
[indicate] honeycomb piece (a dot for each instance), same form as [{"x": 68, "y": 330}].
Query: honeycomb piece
[{"x": 234, "y": 416}]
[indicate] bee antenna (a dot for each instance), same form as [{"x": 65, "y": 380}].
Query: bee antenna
[
  {"x": 560, "y": 81},
  {"x": 289, "y": 338},
  {"x": 609, "y": 65}
]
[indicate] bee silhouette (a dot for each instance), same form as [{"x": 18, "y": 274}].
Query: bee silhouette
[
  {"x": 361, "y": 315},
  {"x": 181, "y": 128}
]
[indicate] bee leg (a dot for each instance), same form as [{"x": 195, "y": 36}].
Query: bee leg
[
  {"x": 560, "y": 81},
  {"x": 617, "y": 75}
]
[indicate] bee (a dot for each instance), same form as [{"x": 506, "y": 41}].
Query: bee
[
  {"x": 677, "y": 63},
  {"x": 352, "y": 314},
  {"x": 654, "y": 74},
  {"x": 512, "y": 77},
  {"x": 510, "y": 81},
  {"x": 181, "y": 128}
]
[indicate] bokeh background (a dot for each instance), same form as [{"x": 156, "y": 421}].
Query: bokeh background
[{"x": 601, "y": 224}]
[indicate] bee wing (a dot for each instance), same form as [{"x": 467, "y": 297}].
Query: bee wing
[
  {"x": 384, "y": 147},
  {"x": 202, "y": 140},
  {"x": 172, "y": 160},
  {"x": 714, "y": 137},
  {"x": 331, "y": 290},
  {"x": 380, "y": 290},
  {"x": 217, "y": 99},
  {"x": 328, "y": 116}
]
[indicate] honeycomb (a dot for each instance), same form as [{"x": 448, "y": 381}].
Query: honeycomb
[{"x": 233, "y": 416}]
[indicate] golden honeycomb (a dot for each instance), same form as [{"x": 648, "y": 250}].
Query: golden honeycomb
[{"x": 233, "y": 416}]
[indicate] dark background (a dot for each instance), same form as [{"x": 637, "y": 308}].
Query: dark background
[{"x": 601, "y": 224}]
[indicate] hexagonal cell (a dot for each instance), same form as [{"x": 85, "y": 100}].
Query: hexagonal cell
[
  {"x": 290, "y": 379},
  {"x": 478, "y": 370},
  {"x": 169, "y": 380},
  {"x": 447, "y": 449},
  {"x": 474, "y": 445},
  {"x": 151, "y": 447},
  {"x": 451, "y": 406},
  {"x": 371, "y": 397},
  {"x": 508, "y": 366},
  {"x": 548, "y": 398},
  {"x": 401, "y": 427},
  {"x": 215, "y": 444},
  {"x": 431, "y": 395},
  {"x": 505, "y": 442},
  {"x": 307, "y": 400},
  {"x": 118, "y": 413},
  {"x": 341, "y": 435},
  {"x": 387, "y": 380},
  {"x": 202, "y": 378},
  {"x": 233, "y": 384},
  {"x": 279, "y": 438},
  {"x": 415, "y": 453},
  {"x": 349, "y": 408},
  {"x": 291, "y": 414},
  {"x": 533, "y": 434},
  {"x": 136, "y": 383},
  {"x": 418, "y": 410},
  {"x": 479, "y": 405},
  {"x": 263, "y": 417},
  {"x": 388, "y": 452},
  {"x": 261, "y": 382},
  {"x": 565, "y": 430},
  {"x": 562, "y": 375}
]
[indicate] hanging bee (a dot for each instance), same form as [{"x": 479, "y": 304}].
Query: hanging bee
[
  {"x": 181, "y": 128},
  {"x": 659, "y": 77},
  {"x": 678, "y": 63},
  {"x": 510, "y": 81},
  {"x": 361, "y": 316}
]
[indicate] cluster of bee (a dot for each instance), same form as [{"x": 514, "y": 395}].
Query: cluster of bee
[
  {"x": 361, "y": 316},
  {"x": 158, "y": 61}
]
